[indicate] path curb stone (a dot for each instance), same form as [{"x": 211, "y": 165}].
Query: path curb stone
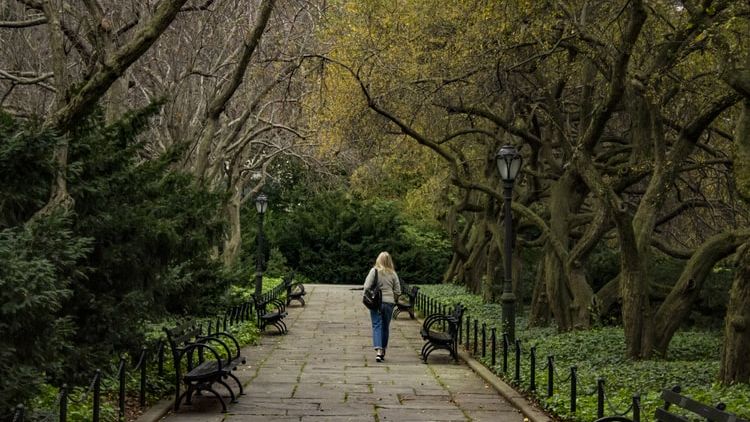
[{"x": 517, "y": 400}]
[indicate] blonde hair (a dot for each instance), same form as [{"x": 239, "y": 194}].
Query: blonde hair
[{"x": 384, "y": 262}]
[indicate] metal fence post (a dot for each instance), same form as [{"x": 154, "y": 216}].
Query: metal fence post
[
  {"x": 476, "y": 329},
  {"x": 493, "y": 346},
  {"x": 636, "y": 408},
  {"x": 505, "y": 353},
  {"x": 97, "y": 395},
  {"x": 121, "y": 396},
  {"x": 532, "y": 375},
  {"x": 468, "y": 331},
  {"x": 573, "y": 387},
  {"x": 600, "y": 397},
  {"x": 64, "y": 403},
  {"x": 142, "y": 393},
  {"x": 484, "y": 339},
  {"x": 550, "y": 375},
  {"x": 518, "y": 362}
]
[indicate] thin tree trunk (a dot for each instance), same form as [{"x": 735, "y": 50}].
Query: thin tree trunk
[
  {"x": 234, "y": 236},
  {"x": 59, "y": 196},
  {"x": 557, "y": 293},
  {"x": 539, "y": 314}
]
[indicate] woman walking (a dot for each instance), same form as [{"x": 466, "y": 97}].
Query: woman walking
[{"x": 384, "y": 274}]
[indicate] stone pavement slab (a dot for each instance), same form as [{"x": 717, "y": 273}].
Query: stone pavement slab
[{"x": 324, "y": 369}]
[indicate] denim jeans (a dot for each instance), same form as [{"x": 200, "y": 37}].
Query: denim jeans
[{"x": 381, "y": 322}]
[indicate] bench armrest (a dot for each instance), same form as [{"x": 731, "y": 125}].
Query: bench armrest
[
  {"x": 191, "y": 347},
  {"x": 297, "y": 284},
  {"x": 437, "y": 318},
  {"x": 214, "y": 337},
  {"x": 279, "y": 304}
]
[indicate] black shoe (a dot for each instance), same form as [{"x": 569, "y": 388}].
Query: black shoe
[{"x": 378, "y": 358}]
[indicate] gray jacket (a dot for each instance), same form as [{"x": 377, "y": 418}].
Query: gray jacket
[{"x": 389, "y": 284}]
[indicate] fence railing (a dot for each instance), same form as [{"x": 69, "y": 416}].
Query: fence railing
[
  {"x": 153, "y": 356},
  {"x": 473, "y": 335}
]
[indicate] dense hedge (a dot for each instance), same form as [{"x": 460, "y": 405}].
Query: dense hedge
[
  {"x": 333, "y": 237},
  {"x": 79, "y": 283}
]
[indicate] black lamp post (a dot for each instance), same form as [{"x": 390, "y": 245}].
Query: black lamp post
[
  {"x": 261, "y": 204},
  {"x": 508, "y": 164}
]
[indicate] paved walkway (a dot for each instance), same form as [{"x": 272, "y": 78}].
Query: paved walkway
[{"x": 325, "y": 370}]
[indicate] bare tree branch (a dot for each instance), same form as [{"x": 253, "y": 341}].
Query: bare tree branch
[
  {"x": 23, "y": 80},
  {"x": 41, "y": 20},
  {"x": 114, "y": 66}
]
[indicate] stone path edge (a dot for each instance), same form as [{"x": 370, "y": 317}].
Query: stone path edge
[
  {"x": 509, "y": 393},
  {"x": 517, "y": 400}
]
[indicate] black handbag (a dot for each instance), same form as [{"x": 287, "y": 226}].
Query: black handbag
[{"x": 373, "y": 296}]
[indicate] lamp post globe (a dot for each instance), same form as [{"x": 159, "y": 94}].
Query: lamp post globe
[
  {"x": 509, "y": 163},
  {"x": 261, "y": 204}
]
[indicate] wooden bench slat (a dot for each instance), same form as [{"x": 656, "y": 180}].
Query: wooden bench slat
[
  {"x": 664, "y": 416},
  {"x": 701, "y": 409}
]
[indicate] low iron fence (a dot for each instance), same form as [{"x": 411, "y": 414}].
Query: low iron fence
[
  {"x": 151, "y": 359},
  {"x": 477, "y": 339}
]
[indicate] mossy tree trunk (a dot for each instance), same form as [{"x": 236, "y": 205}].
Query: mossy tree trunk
[
  {"x": 678, "y": 303},
  {"x": 735, "y": 365}
]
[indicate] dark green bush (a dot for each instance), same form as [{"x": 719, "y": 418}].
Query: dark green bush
[
  {"x": 153, "y": 231},
  {"x": 37, "y": 268},
  {"x": 78, "y": 286},
  {"x": 334, "y": 238}
]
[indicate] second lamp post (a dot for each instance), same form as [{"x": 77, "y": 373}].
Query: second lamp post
[
  {"x": 261, "y": 204},
  {"x": 508, "y": 164}
]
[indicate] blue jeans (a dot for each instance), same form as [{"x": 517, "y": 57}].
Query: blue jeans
[{"x": 381, "y": 322}]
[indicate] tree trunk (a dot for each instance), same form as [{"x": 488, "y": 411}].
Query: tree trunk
[
  {"x": 234, "y": 236},
  {"x": 516, "y": 272},
  {"x": 59, "y": 196},
  {"x": 539, "y": 314},
  {"x": 741, "y": 152},
  {"x": 580, "y": 308},
  {"x": 450, "y": 275},
  {"x": 559, "y": 293},
  {"x": 219, "y": 103},
  {"x": 607, "y": 297},
  {"x": 556, "y": 290},
  {"x": 492, "y": 284},
  {"x": 677, "y": 305},
  {"x": 735, "y": 366},
  {"x": 472, "y": 267},
  {"x": 634, "y": 289}
]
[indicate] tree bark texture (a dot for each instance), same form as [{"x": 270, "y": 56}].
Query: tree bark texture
[
  {"x": 234, "y": 235},
  {"x": 678, "y": 303},
  {"x": 735, "y": 365}
]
